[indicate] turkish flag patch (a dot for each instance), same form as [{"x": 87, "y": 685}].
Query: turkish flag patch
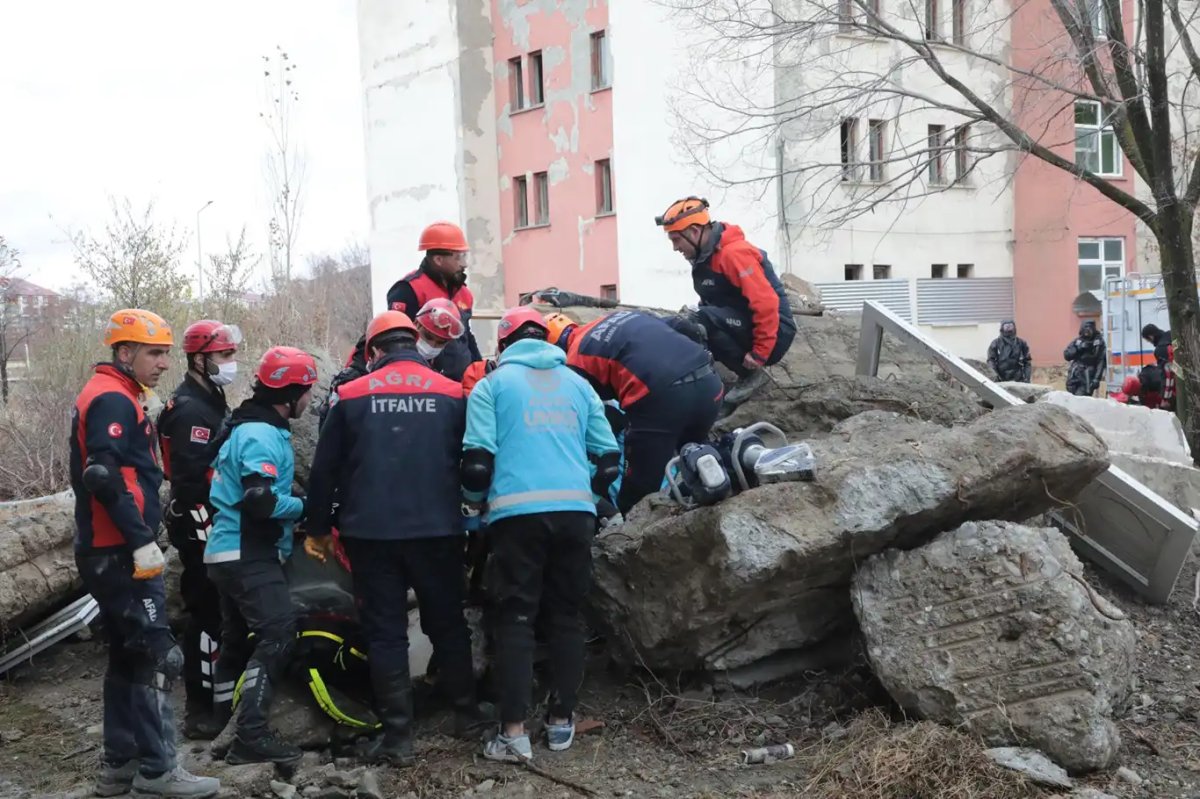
[
  {"x": 397, "y": 306},
  {"x": 201, "y": 435},
  {"x": 115, "y": 430},
  {"x": 270, "y": 469}
]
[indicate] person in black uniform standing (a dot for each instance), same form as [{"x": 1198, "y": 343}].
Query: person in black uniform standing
[{"x": 188, "y": 428}]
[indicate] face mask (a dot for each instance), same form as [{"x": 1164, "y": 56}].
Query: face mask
[
  {"x": 226, "y": 372},
  {"x": 427, "y": 350}
]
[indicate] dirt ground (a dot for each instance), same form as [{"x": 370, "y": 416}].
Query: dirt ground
[{"x": 663, "y": 739}]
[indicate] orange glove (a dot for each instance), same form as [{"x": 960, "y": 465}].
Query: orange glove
[{"x": 319, "y": 547}]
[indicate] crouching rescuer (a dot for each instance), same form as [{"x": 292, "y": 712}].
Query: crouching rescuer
[
  {"x": 251, "y": 538},
  {"x": 389, "y": 451},
  {"x": 116, "y": 477},
  {"x": 538, "y": 451}
]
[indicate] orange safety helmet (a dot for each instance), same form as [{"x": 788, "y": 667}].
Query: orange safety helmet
[
  {"x": 684, "y": 213},
  {"x": 135, "y": 326},
  {"x": 559, "y": 324},
  {"x": 387, "y": 322},
  {"x": 443, "y": 236},
  {"x": 516, "y": 318}
]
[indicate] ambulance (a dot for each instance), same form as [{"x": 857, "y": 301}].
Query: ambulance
[{"x": 1129, "y": 304}]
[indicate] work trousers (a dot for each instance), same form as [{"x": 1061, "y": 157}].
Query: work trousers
[
  {"x": 202, "y": 630},
  {"x": 541, "y": 571},
  {"x": 658, "y": 425},
  {"x": 731, "y": 336},
  {"x": 383, "y": 571},
  {"x": 254, "y": 599},
  {"x": 143, "y": 661}
]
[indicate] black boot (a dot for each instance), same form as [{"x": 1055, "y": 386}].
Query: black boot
[
  {"x": 394, "y": 706},
  {"x": 472, "y": 718},
  {"x": 267, "y": 747},
  {"x": 256, "y": 742}
]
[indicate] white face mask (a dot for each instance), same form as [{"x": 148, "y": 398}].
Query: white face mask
[
  {"x": 427, "y": 350},
  {"x": 226, "y": 372}
]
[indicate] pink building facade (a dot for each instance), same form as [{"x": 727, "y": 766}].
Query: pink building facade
[{"x": 553, "y": 93}]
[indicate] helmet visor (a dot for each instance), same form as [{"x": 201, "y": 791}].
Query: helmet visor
[{"x": 441, "y": 323}]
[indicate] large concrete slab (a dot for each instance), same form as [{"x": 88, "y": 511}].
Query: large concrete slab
[{"x": 1129, "y": 429}]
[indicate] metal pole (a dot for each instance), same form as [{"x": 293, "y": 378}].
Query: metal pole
[{"x": 200, "y": 250}]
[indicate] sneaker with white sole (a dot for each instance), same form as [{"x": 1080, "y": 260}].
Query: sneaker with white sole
[
  {"x": 508, "y": 750},
  {"x": 559, "y": 737},
  {"x": 178, "y": 783}
]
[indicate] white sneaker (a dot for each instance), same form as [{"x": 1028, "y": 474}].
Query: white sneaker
[{"x": 178, "y": 782}]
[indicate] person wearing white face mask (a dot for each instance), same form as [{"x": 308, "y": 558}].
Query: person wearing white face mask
[
  {"x": 438, "y": 323},
  {"x": 188, "y": 429}
]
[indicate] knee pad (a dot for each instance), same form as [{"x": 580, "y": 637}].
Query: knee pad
[
  {"x": 275, "y": 651},
  {"x": 160, "y": 671}
]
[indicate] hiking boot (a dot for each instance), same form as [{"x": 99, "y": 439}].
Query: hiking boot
[
  {"x": 472, "y": 719},
  {"x": 266, "y": 748},
  {"x": 559, "y": 737},
  {"x": 395, "y": 750},
  {"x": 508, "y": 750},
  {"x": 116, "y": 780},
  {"x": 746, "y": 386},
  {"x": 177, "y": 782}
]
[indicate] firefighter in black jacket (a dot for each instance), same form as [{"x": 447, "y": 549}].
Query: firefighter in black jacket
[
  {"x": 115, "y": 475},
  {"x": 389, "y": 451},
  {"x": 187, "y": 431}
]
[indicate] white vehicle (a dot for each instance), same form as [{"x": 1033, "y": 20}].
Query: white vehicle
[{"x": 1129, "y": 304}]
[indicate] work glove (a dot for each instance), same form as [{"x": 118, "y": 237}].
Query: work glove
[
  {"x": 319, "y": 548},
  {"x": 148, "y": 562},
  {"x": 750, "y": 362}
]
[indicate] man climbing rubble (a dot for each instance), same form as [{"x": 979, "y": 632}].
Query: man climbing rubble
[
  {"x": 442, "y": 274},
  {"x": 1009, "y": 356},
  {"x": 390, "y": 450},
  {"x": 251, "y": 538},
  {"x": 1087, "y": 359},
  {"x": 663, "y": 381},
  {"x": 188, "y": 428},
  {"x": 534, "y": 428},
  {"x": 743, "y": 307},
  {"x": 116, "y": 477}
]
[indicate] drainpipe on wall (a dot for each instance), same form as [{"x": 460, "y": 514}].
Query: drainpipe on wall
[{"x": 783, "y": 217}]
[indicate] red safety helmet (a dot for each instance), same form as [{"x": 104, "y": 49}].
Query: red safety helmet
[
  {"x": 387, "y": 322},
  {"x": 443, "y": 236},
  {"x": 516, "y": 318},
  {"x": 1132, "y": 386},
  {"x": 442, "y": 318},
  {"x": 208, "y": 335},
  {"x": 281, "y": 367}
]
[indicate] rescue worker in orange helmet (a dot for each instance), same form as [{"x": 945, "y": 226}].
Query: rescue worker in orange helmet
[
  {"x": 188, "y": 428},
  {"x": 115, "y": 475},
  {"x": 442, "y": 274},
  {"x": 743, "y": 307},
  {"x": 401, "y": 418}
]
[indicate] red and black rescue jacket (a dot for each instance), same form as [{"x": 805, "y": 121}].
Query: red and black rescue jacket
[
  {"x": 187, "y": 434},
  {"x": 415, "y": 289},
  {"x": 732, "y": 273},
  {"x": 629, "y": 355},
  {"x": 110, "y": 427}
]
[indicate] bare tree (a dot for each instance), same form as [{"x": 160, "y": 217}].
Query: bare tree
[
  {"x": 284, "y": 161},
  {"x": 860, "y": 59},
  {"x": 134, "y": 261},
  {"x": 16, "y": 326},
  {"x": 229, "y": 276}
]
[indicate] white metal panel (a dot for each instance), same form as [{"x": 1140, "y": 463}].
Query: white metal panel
[
  {"x": 964, "y": 301},
  {"x": 849, "y": 295}
]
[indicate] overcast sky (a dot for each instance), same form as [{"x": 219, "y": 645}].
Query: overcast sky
[{"x": 160, "y": 101}]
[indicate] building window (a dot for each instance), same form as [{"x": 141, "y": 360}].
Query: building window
[
  {"x": 1100, "y": 259},
  {"x": 876, "y": 129},
  {"x": 537, "y": 93},
  {"x": 938, "y": 270},
  {"x": 600, "y": 77},
  {"x": 881, "y": 272},
  {"x": 1096, "y": 146},
  {"x": 604, "y": 190},
  {"x": 958, "y": 23},
  {"x": 516, "y": 83},
  {"x": 962, "y": 156},
  {"x": 966, "y": 270},
  {"x": 850, "y": 149},
  {"x": 932, "y": 26},
  {"x": 608, "y": 292},
  {"x": 541, "y": 205},
  {"x": 520, "y": 202},
  {"x": 937, "y": 161},
  {"x": 854, "y": 272}
]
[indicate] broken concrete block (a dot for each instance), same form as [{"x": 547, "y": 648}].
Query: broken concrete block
[
  {"x": 763, "y": 572},
  {"x": 1130, "y": 429},
  {"x": 1029, "y": 392},
  {"x": 992, "y": 628},
  {"x": 1177, "y": 483},
  {"x": 1033, "y": 764}
]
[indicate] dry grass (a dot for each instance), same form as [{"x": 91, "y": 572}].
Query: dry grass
[{"x": 876, "y": 758}]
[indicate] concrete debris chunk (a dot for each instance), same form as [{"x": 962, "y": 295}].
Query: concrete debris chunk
[
  {"x": 1032, "y": 764},
  {"x": 992, "y": 627}
]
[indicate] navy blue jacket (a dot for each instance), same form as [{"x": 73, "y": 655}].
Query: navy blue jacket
[
  {"x": 389, "y": 452},
  {"x": 629, "y": 355}
]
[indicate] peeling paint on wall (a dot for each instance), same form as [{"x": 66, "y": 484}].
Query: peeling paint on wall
[{"x": 558, "y": 171}]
